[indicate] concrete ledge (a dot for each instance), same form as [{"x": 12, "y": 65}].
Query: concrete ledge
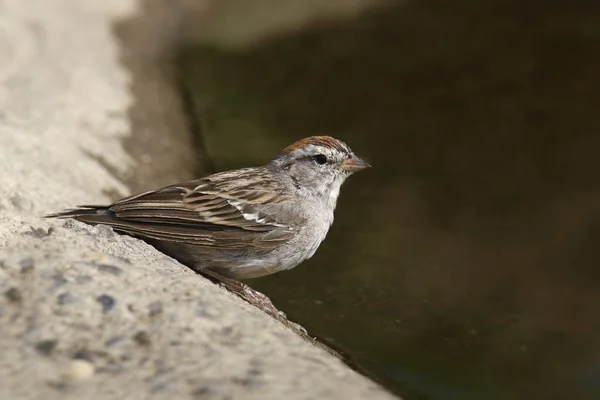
[{"x": 86, "y": 313}]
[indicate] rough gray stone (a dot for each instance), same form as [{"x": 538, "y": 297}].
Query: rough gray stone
[{"x": 86, "y": 313}]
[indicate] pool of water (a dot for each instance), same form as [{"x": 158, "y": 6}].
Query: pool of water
[{"x": 465, "y": 264}]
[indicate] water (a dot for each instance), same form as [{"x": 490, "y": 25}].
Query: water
[{"x": 465, "y": 264}]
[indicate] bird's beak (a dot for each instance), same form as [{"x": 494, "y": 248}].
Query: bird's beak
[{"x": 354, "y": 164}]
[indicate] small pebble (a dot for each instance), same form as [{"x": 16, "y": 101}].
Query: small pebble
[
  {"x": 113, "y": 368},
  {"x": 38, "y": 233},
  {"x": 79, "y": 370},
  {"x": 65, "y": 298},
  {"x": 13, "y": 295},
  {"x": 142, "y": 338},
  {"x": 46, "y": 347},
  {"x": 84, "y": 355},
  {"x": 58, "y": 279},
  {"x": 110, "y": 269},
  {"x": 113, "y": 340},
  {"x": 27, "y": 264},
  {"x": 155, "y": 308},
  {"x": 107, "y": 302}
]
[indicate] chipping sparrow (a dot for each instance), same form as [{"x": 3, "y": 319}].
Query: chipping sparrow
[{"x": 243, "y": 223}]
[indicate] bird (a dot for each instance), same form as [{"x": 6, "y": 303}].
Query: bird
[{"x": 244, "y": 223}]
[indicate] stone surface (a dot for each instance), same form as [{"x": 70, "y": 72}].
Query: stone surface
[{"x": 87, "y": 313}]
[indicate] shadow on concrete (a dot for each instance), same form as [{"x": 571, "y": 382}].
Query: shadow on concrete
[{"x": 162, "y": 140}]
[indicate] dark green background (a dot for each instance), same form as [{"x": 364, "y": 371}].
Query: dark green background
[{"x": 465, "y": 264}]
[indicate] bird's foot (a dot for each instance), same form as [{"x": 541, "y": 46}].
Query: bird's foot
[{"x": 255, "y": 298}]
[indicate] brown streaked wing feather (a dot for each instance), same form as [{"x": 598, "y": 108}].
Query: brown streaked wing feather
[{"x": 217, "y": 212}]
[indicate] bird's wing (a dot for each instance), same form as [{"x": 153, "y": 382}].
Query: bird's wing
[{"x": 232, "y": 210}]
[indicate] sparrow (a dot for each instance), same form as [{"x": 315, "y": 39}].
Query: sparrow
[{"x": 244, "y": 223}]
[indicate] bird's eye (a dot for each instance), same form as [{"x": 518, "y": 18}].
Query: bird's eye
[{"x": 320, "y": 159}]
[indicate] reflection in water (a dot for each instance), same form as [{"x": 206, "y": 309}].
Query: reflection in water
[{"x": 465, "y": 263}]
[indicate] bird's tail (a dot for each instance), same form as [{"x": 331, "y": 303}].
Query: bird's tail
[{"x": 89, "y": 214}]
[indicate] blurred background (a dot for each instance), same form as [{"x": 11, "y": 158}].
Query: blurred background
[{"x": 465, "y": 264}]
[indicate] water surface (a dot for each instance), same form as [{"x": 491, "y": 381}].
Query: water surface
[{"x": 465, "y": 264}]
